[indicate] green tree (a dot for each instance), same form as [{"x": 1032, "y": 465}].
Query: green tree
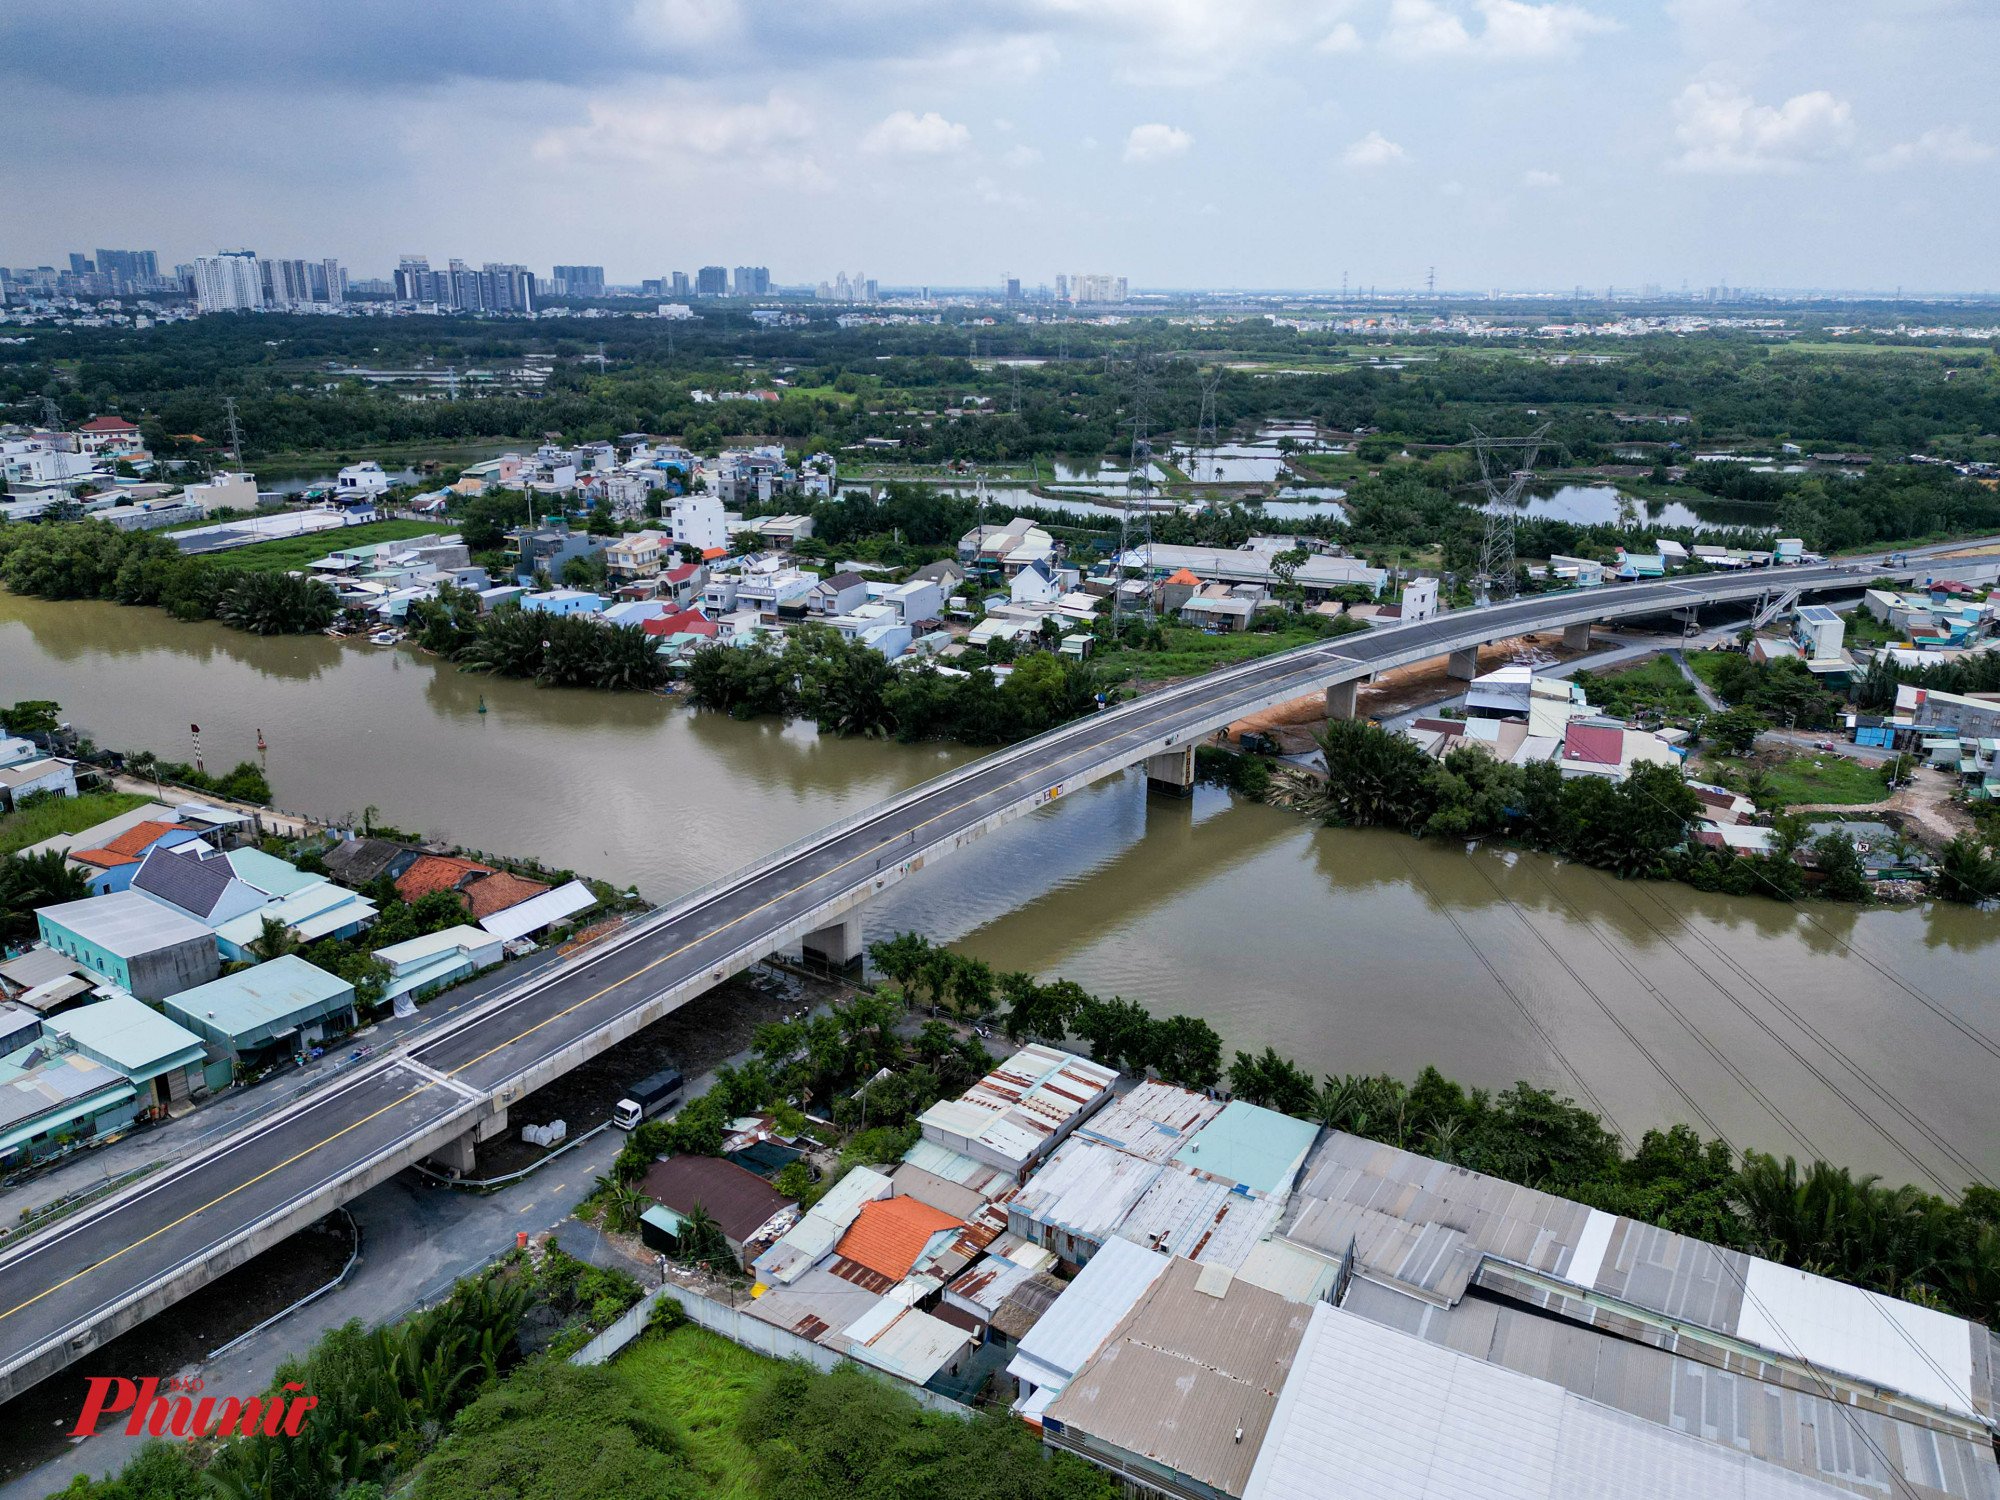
[
  {"x": 29, "y": 882},
  {"x": 1844, "y": 878},
  {"x": 277, "y": 604},
  {"x": 31, "y": 718},
  {"x": 1966, "y": 871},
  {"x": 1734, "y": 731},
  {"x": 274, "y": 939}
]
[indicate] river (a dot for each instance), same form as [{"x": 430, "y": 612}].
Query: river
[{"x": 1870, "y": 1037}]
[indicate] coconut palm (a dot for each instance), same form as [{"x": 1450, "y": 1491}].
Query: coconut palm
[{"x": 274, "y": 940}]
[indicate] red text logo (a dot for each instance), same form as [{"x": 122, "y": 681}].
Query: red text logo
[{"x": 184, "y": 1412}]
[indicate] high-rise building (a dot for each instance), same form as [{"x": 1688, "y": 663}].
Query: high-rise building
[
  {"x": 494, "y": 287},
  {"x": 1013, "y": 289},
  {"x": 1080, "y": 288},
  {"x": 580, "y": 281},
  {"x": 229, "y": 281},
  {"x": 751, "y": 281},
  {"x": 681, "y": 287},
  {"x": 80, "y": 265},
  {"x": 130, "y": 266},
  {"x": 712, "y": 281}
]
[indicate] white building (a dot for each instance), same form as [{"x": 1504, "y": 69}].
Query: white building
[
  {"x": 362, "y": 481},
  {"x": 698, "y": 521},
  {"x": 223, "y": 492},
  {"x": 1420, "y": 600},
  {"x": 230, "y": 282}
]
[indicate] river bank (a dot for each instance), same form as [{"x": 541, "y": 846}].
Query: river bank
[{"x": 1350, "y": 950}]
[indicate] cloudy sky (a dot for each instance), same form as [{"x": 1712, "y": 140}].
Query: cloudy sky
[{"x": 1181, "y": 143}]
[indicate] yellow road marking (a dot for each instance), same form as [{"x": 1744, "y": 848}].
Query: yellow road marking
[
  {"x": 404, "y": 1098},
  {"x": 191, "y": 1213}
]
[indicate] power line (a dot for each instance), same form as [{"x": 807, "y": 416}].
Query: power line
[{"x": 1496, "y": 550}]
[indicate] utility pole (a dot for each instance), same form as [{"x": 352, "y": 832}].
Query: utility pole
[
  {"x": 1138, "y": 485},
  {"x": 1496, "y": 551},
  {"x": 235, "y": 430}
]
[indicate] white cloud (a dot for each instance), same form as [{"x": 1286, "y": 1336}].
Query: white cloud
[
  {"x": 1343, "y": 38},
  {"x": 1156, "y": 142},
  {"x": 1513, "y": 29},
  {"x": 1542, "y": 181},
  {"x": 668, "y": 133},
  {"x": 905, "y": 133},
  {"x": 1374, "y": 150},
  {"x": 1948, "y": 146},
  {"x": 1020, "y": 157},
  {"x": 1729, "y": 132}
]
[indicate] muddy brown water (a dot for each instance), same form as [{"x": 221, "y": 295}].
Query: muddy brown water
[{"x": 1868, "y": 1036}]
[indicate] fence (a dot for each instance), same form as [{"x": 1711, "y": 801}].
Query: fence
[{"x": 752, "y": 1333}]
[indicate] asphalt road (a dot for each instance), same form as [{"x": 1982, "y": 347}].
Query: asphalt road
[{"x": 56, "y": 1285}]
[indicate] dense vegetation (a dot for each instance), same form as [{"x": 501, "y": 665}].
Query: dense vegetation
[
  {"x": 848, "y": 688},
  {"x": 94, "y": 560}
]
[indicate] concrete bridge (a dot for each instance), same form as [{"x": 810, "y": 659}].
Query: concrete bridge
[{"x": 112, "y": 1265}]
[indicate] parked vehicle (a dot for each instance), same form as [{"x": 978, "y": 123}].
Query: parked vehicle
[{"x": 647, "y": 1098}]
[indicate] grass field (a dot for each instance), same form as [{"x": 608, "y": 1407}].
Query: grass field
[
  {"x": 293, "y": 552},
  {"x": 701, "y": 1383},
  {"x": 1192, "y": 652},
  {"x": 1655, "y": 683},
  {"x": 1801, "y": 779},
  {"x": 70, "y": 815}
]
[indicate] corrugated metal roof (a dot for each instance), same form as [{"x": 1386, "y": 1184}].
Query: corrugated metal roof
[
  {"x": 815, "y": 1235},
  {"x": 1023, "y": 1307},
  {"x": 1184, "y": 1213},
  {"x": 126, "y": 923},
  {"x": 908, "y": 1344},
  {"x": 1247, "y": 1143},
  {"x": 989, "y": 1283},
  {"x": 128, "y": 1035},
  {"x": 1189, "y": 1379},
  {"x": 253, "y": 1005},
  {"x": 1372, "y": 1414},
  {"x": 1084, "y": 1190},
  {"x": 1289, "y": 1270},
  {"x": 1770, "y": 1420},
  {"x": 540, "y": 911},
  {"x": 1151, "y": 1122},
  {"x": 1015, "y": 1112},
  {"x": 1426, "y": 1224},
  {"x": 1083, "y": 1317}
]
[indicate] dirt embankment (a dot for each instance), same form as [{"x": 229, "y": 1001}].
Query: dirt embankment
[{"x": 1292, "y": 723}]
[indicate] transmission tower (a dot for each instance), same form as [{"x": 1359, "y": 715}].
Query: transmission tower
[
  {"x": 1138, "y": 483},
  {"x": 235, "y": 431},
  {"x": 52, "y": 414},
  {"x": 1204, "y": 432},
  {"x": 1503, "y": 491}
]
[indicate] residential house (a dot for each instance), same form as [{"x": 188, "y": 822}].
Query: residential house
[
  {"x": 162, "y": 1059},
  {"x": 1584, "y": 572},
  {"x": 1035, "y": 584},
  {"x": 637, "y": 556},
  {"x": 564, "y": 602},
  {"x": 43, "y": 776},
  {"x": 484, "y": 889},
  {"x": 1173, "y": 591},
  {"x": 750, "y": 1212},
  {"x": 1594, "y": 746},
  {"x": 208, "y": 890},
  {"x": 1087, "y": 1313},
  {"x": 635, "y": 611},
  {"x": 681, "y": 584},
  {"x": 313, "y": 912},
  {"x": 700, "y": 521},
  {"x": 523, "y": 918},
  {"x": 542, "y": 552},
  {"x": 1217, "y": 607},
  {"x": 837, "y": 594},
  {"x": 424, "y": 965},
  {"x": 782, "y": 532},
  {"x": 112, "y": 437},
  {"x": 916, "y": 603},
  {"x": 1419, "y": 601},
  {"x": 357, "y": 862},
  {"x": 259, "y": 1014},
  {"x": 1022, "y": 1110}
]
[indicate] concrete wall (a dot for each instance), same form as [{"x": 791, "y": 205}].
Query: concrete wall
[{"x": 168, "y": 971}]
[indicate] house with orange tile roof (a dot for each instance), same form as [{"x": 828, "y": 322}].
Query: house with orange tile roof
[
  {"x": 485, "y": 889},
  {"x": 887, "y": 1238},
  {"x": 497, "y": 892},
  {"x": 113, "y": 865}
]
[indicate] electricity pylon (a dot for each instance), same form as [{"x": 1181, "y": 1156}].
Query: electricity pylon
[{"x": 1503, "y": 491}]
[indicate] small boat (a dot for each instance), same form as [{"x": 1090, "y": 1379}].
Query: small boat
[{"x": 386, "y": 637}]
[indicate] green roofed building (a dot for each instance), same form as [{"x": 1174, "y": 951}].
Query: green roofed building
[
  {"x": 277, "y": 1006},
  {"x": 1250, "y": 1145}
]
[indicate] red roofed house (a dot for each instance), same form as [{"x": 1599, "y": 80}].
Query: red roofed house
[
  {"x": 109, "y": 435},
  {"x": 1174, "y": 591},
  {"x": 687, "y": 622},
  {"x": 1600, "y": 747},
  {"x": 887, "y": 1238},
  {"x": 114, "y": 865},
  {"x": 485, "y": 889},
  {"x": 744, "y": 1206}
]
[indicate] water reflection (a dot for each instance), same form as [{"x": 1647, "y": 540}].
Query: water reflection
[{"x": 1350, "y": 950}]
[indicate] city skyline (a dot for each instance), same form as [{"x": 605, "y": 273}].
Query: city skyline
[{"x": 1262, "y": 145}]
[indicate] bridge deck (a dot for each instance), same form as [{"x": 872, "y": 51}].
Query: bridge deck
[{"x": 112, "y": 1265}]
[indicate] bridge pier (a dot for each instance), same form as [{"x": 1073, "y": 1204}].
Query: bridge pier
[
  {"x": 1171, "y": 772},
  {"x": 455, "y": 1155},
  {"x": 1463, "y": 665},
  {"x": 1576, "y": 637},
  {"x": 1340, "y": 699},
  {"x": 837, "y": 945}
]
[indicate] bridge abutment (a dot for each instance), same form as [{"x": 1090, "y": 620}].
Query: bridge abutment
[
  {"x": 1576, "y": 637},
  {"x": 1171, "y": 772},
  {"x": 1340, "y": 699},
  {"x": 1463, "y": 665}
]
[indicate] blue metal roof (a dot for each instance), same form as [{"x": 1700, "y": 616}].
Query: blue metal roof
[{"x": 1251, "y": 1145}]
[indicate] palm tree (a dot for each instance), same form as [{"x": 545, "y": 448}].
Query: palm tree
[
  {"x": 623, "y": 1204},
  {"x": 700, "y": 1237},
  {"x": 277, "y": 604},
  {"x": 274, "y": 940}
]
